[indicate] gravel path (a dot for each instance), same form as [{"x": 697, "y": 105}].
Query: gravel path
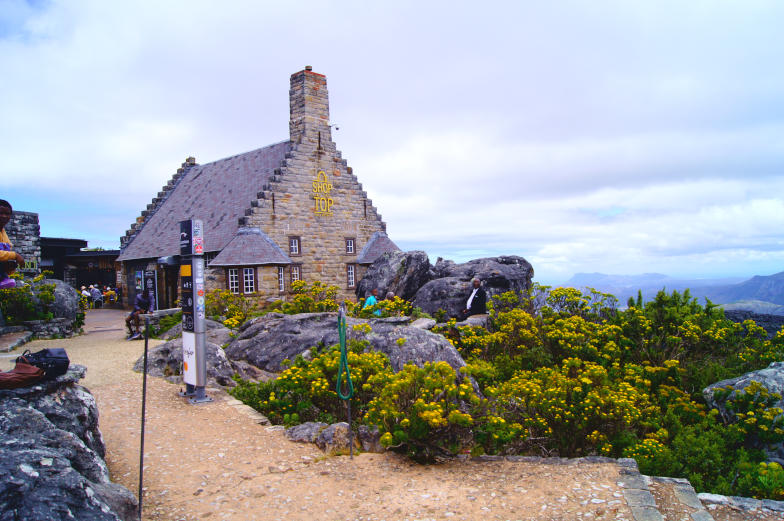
[{"x": 215, "y": 461}]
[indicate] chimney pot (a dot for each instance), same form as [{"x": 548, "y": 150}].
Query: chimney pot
[{"x": 308, "y": 68}]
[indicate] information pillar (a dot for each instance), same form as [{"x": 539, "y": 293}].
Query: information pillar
[{"x": 194, "y": 356}]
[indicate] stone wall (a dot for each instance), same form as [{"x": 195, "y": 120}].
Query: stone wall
[
  {"x": 25, "y": 234},
  {"x": 55, "y": 328},
  {"x": 314, "y": 196}
]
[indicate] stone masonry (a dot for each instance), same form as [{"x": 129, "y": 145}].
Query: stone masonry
[
  {"x": 25, "y": 234},
  {"x": 314, "y": 196}
]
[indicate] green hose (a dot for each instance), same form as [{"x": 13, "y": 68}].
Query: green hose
[{"x": 343, "y": 372}]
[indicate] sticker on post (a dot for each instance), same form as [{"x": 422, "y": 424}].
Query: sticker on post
[{"x": 189, "y": 357}]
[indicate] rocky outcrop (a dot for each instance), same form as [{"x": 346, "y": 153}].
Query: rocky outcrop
[
  {"x": 334, "y": 439},
  {"x": 215, "y": 332},
  {"x": 166, "y": 360},
  {"x": 66, "y": 300},
  {"x": 402, "y": 273},
  {"x": 268, "y": 340},
  {"x": 451, "y": 283},
  {"x": 772, "y": 324},
  {"x": 52, "y": 464},
  {"x": 771, "y": 378}
]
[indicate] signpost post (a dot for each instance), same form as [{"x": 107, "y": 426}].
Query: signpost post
[{"x": 194, "y": 356}]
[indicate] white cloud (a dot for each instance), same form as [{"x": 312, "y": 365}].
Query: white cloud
[{"x": 608, "y": 136}]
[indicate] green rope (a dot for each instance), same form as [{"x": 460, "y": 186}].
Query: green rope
[{"x": 343, "y": 371}]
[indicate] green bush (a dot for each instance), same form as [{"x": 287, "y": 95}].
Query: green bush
[
  {"x": 167, "y": 322},
  {"x": 27, "y": 301}
]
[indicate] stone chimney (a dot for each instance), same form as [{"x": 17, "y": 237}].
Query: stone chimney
[{"x": 309, "y": 107}]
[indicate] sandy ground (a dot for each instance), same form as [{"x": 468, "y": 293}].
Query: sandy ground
[{"x": 215, "y": 461}]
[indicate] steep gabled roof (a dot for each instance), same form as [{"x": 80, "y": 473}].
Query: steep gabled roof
[
  {"x": 250, "y": 247},
  {"x": 218, "y": 193},
  {"x": 378, "y": 245}
]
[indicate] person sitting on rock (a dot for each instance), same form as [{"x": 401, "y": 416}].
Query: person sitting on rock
[
  {"x": 372, "y": 300},
  {"x": 9, "y": 259},
  {"x": 141, "y": 304},
  {"x": 477, "y": 300}
]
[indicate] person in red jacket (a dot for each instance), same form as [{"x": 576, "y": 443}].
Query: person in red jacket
[{"x": 9, "y": 259}]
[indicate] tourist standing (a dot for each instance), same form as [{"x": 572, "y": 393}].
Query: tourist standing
[{"x": 477, "y": 300}]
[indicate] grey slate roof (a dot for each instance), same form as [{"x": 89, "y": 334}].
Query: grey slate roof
[
  {"x": 250, "y": 247},
  {"x": 218, "y": 193},
  {"x": 378, "y": 245}
]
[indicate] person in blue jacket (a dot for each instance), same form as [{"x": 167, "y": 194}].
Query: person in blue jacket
[{"x": 372, "y": 300}]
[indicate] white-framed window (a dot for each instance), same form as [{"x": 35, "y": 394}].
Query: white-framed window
[
  {"x": 249, "y": 280},
  {"x": 350, "y": 250},
  {"x": 281, "y": 279},
  {"x": 296, "y": 273},
  {"x": 234, "y": 280},
  {"x": 295, "y": 246},
  {"x": 208, "y": 257},
  {"x": 350, "y": 275}
]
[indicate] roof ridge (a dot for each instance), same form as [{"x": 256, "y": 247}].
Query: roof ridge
[{"x": 157, "y": 202}]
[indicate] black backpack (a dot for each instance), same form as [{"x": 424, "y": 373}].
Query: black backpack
[{"x": 54, "y": 361}]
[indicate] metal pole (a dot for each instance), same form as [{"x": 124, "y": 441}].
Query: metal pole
[{"x": 144, "y": 412}]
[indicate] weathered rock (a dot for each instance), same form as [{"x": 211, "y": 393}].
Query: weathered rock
[
  {"x": 772, "y": 324},
  {"x": 268, "y": 340},
  {"x": 52, "y": 462},
  {"x": 451, "y": 282},
  {"x": 370, "y": 439},
  {"x": 66, "y": 300},
  {"x": 166, "y": 360},
  {"x": 305, "y": 432},
  {"x": 475, "y": 321},
  {"x": 337, "y": 439},
  {"x": 402, "y": 273},
  {"x": 771, "y": 378},
  {"x": 215, "y": 332},
  {"x": 424, "y": 323}
]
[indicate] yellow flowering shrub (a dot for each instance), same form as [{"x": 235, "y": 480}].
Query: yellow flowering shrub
[
  {"x": 560, "y": 407},
  {"x": 236, "y": 308},
  {"x": 306, "y": 390},
  {"x": 424, "y": 411}
]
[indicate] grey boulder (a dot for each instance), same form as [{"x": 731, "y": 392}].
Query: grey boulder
[
  {"x": 165, "y": 360},
  {"x": 215, "y": 332},
  {"x": 402, "y": 273},
  {"x": 771, "y": 378},
  {"x": 451, "y": 282},
  {"x": 52, "y": 462},
  {"x": 66, "y": 299},
  {"x": 267, "y": 341}
]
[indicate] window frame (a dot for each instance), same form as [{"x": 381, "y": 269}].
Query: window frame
[
  {"x": 236, "y": 280},
  {"x": 295, "y": 245},
  {"x": 295, "y": 268},
  {"x": 351, "y": 245},
  {"x": 281, "y": 279},
  {"x": 245, "y": 272},
  {"x": 233, "y": 280},
  {"x": 351, "y": 276}
]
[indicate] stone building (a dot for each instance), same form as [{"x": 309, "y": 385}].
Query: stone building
[
  {"x": 289, "y": 211},
  {"x": 25, "y": 234}
]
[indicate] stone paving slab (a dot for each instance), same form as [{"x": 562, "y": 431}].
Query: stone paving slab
[{"x": 10, "y": 341}]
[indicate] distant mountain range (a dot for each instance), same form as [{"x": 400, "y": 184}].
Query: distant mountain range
[{"x": 760, "y": 294}]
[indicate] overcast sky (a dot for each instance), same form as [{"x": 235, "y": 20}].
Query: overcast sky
[{"x": 594, "y": 136}]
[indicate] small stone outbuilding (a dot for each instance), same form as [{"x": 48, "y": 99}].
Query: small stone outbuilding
[{"x": 290, "y": 211}]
